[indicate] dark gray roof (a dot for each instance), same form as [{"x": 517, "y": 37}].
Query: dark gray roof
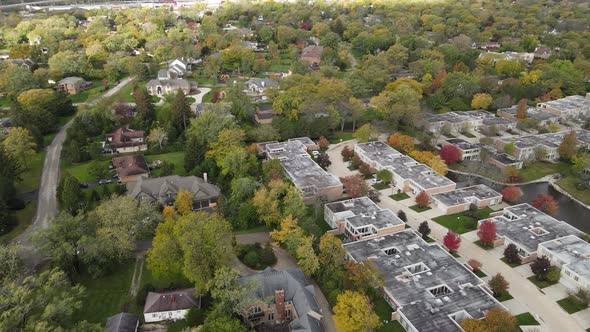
[
  {"x": 171, "y": 301},
  {"x": 122, "y": 322},
  {"x": 159, "y": 188},
  {"x": 297, "y": 289}
]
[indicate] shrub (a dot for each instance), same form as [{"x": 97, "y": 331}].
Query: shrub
[
  {"x": 474, "y": 264},
  {"x": 422, "y": 199},
  {"x": 251, "y": 259},
  {"x": 511, "y": 254},
  {"x": 498, "y": 284},
  {"x": 554, "y": 274},
  {"x": 402, "y": 215},
  {"x": 540, "y": 267},
  {"x": 424, "y": 229}
]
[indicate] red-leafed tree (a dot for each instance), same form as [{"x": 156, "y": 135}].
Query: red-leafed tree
[
  {"x": 512, "y": 194},
  {"x": 347, "y": 153},
  {"x": 422, "y": 199},
  {"x": 474, "y": 264},
  {"x": 452, "y": 241},
  {"x": 323, "y": 142},
  {"x": 487, "y": 232},
  {"x": 546, "y": 203},
  {"x": 450, "y": 154},
  {"x": 355, "y": 185}
]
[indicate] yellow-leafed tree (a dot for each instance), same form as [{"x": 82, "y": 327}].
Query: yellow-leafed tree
[
  {"x": 184, "y": 202},
  {"x": 354, "y": 312}
]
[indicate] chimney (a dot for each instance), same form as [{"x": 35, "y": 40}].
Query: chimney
[
  {"x": 280, "y": 305},
  {"x": 205, "y": 177}
]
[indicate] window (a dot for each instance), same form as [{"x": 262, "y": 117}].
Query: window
[
  {"x": 288, "y": 313},
  {"x": 417, "y": 268},
  {"x": 390, "y": 251},
  {"x": 271, "y": 316},
  {"x": 440, "y": 290}
]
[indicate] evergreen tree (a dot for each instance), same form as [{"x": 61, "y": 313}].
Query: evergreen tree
[
  {"x": 181, "y": 111},
  {"x": 194, "y": 154},
  {"x": 70, "y": 194}
]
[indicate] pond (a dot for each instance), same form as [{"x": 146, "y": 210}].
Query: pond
[{"x": 570, "y": 211}]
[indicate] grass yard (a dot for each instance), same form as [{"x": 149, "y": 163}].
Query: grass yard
[
  {"x": 86, "y": 95},
  {"x": 383, "y": 310},
  {"x": 399, "y": 197},
  {"x": 420, "y": 208},
  {"x": 570, "y": 305},
  {"x": 504, "y": 297},
  {"x": 24, "y": 219},
  {"x": 480, "y": 274},
  {"x": 4, "y": 102},
  {"x": 512, "y": 265},
  {"x": 31, "y": 178},
  {"x": 81, "y": 171},
  {"x": 526, "y": 319},
  {"x": 483, "y": 245},
  {"x": 126, "y": 93},
  {"x": 540, "y": 169},
  {"x": 381, "y": 186},
  {"x": 568, "y": 183},
  {"x": 175, "y": 158},
  {"x": 462, "y": 222},
  {"x": 341, "y": 136},
  {"x": 209, "y": 95},
  {"x": 541, "y": 283},
  {"x": 105, "y": 296}
]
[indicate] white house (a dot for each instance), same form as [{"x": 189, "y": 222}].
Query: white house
[
  {"x": 179, "y": 67},
  {"x": 572, "y": 255},
  {"x": 260, "y": 85},
  {"x": 173, "y": 305}
]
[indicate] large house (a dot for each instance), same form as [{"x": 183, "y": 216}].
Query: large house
[
  {"x": 173, "y": 305},
  {"x": 264, "y": 114},
  {"x": 527, "y": 228},
  {"x": 360, "y": 218},
  {"x": 568, "y": 107},
  {"x": 259, "y": 85},
  {"x": 122, "y": 322},
  {"x": 313, "y": 181},
  {"x": 469, "y": 151},
  {"x": 125, "y": 139},
  {"x": 461, "y": 199},
  {"x": 457, "y": 122},
  {"x": 428, "y": 289},
  {"x": 527, "y": 147},
  {"x": 508, "y": 55},
  {"x": 163, "y": 190},
  {"x": 572, "y": 255},
  {"x": 408, "y": 174},
  {"x": 312, "y": 54},
  {"x": 284, "y": 299},
  {"x": 73, "y": 85},
  {"x": 161, "y": 87},
  {"x": 130, "y": 168},
  {"x": 542, "y": 118}
]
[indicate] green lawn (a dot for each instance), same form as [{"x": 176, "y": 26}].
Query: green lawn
[
  {"x": 504, "y": 297},
  {"x": 480, "y": 274},
  {"x": 207, "y": 97},
  {"x": 81, "y": 170},
  {"x": 381, "y": 186},
  {"x": 568, "y": 183},
  {"x": 541, "y": 283},
  {"x": 399, "y": 197},
  {"x": 175, "y": 158},
  {"x": 383, "y": 310},
  {"x": 4, "y": 102},
  {"x": 570, "y": 305},
  {"x": 462, "y": 223},
  {"x": 86, "y": 95},
  {"x": 540, "y": 169},
  {"x": 31, "y": 178},
  {"x": 25, "y": 218},
  {"x": 105, "y": 296},
  {"x": 512, "y": 265},
  {"x": 526, "y": 319},
  {"x": 341, "y": 135},
  {"x": 126, "y": 93},
  {"x": 420, "y": 208},
  {"x": 483, "y": 246}
]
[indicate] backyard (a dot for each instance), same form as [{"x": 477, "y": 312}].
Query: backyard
[
  {"x": 90, "y": 93},
  {"x": 463, "y": 222},
  {"x": 174, "y": 158},
  {"x": 538, "y": 170}
]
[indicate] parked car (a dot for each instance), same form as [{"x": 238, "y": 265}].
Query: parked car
[{"x": 105, "y": 181}]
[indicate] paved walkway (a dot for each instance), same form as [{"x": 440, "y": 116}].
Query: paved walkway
[{"x": 198, "y": 98}]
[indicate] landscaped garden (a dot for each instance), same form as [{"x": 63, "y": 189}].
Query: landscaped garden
[
  {"x": 257, "y": 256},
  {"x": 526, "y": 319},
  {"x": 399, "y": 197},
  {"x": 541, "y": 283},
  {"x": 512, "y": 265},
  {"x": 463, "y": 222},
  {"x": 419, "y": 208}
]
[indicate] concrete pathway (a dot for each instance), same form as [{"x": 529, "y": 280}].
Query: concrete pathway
[{"x": 198, "y": 98}]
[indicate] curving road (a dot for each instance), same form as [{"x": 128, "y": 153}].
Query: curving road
[{"x": 46, "y": 199}]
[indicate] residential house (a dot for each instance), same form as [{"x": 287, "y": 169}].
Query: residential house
[
  {"x": 526, "y": 228},
  {"x": 542, "y": 52},
  {"x": 428, "y": 289},
  {"x": 572, "y": 255},
  {"x": 570, "y": 107},
  {"x": 27, "y": 63},
  {"x": 264, "y": 114},
  {"x": 173, "y": 305},
  {"x": 461, "y": 199},
  {"x": 163, "y": 190},
  {"x": 502, "y": 160},
  {"x": 312, "y": 54},
  {"x": 495, "y": 125},
  {"x": 161, "y": 87},
  {"x": 73, "y": 85},
  {"x": 469, "y": 151},
  {"x": 541, "y": 118},
  {"x": 528, "y": 147},
  {"x": 180, "y": 67},
  {"x": 125, "y": 139},
  {"x": 408, "y": 174},
  {"x": 512, "y": 56},
  {"x": 258, "y": 86},
  {"x": 122, "y": 322},
  {"x": 130, "y": 168},
  {"x": 455, "y": 122},
  {"x": 489, "y": 46},
  {"x": 284, "y": 299},
  {"x": 313, "y": 181},
  {"x": 360, "y": 218}
]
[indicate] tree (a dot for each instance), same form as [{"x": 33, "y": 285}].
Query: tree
[
  {"x": 546, "y": 203},
  {"x": 365, "y": 133},
  {"x": 522, "y": 110},
  {"x": 223, "y": 324},
  {"x": 508, "y": 68},
  {"x": 158, "y": 136},
  {"x": 498, "y": 285},
  {"x": 509, "y": 148},
  {"x": 487, "y": 232},
  {"x": 438, "y": 165},
  {"x": 323, "y": 160},
  {"x": 331, "y": 254},
  {"x": 541, "y": 267},
  {"x": 146, "y": 114},
  {"x": 511, "y": 254},
  {"x": 196, "y": 245},
  {"x": 354, "y": 312},
  {"x": 450, "y": 154},
  {"x": 424, "y": 229},
  {"x": 306, "y": 257},
  {"x": 475, "y": 265},
  {"x": 181, "y": 111},
  {"x": 11, "y": 265},
  {"x": 347, "y": 153},
  {"x": 422, "y": 199},
  {"x": 20, "y": 145},
  {"x": 323, "y": 142},
  {"x": 183, "y": 202},
  {"x": 385, "y": 176},
  {"x": 569, "y": 146},
  {"x": 399, "y": 105},
  {"x": 401, "y": 142},
  {"x": 512, "y": 194},
  {"x": 230, "y": 295},
  {"x": 402, "y": 215},
  {"x": 42, "y": 302},
  {"x": 495, "y": 320},
  {"x": 69, "y": 194},
  {"x": 481, "y": 101},
  {"x": 354, "y": 185},
  {"x": 452, "y": 241}
]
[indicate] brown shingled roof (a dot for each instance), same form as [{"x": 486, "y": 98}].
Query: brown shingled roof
[
  {"x": 123, "y": 136},
  {"x": 181, "y": 299},
  {"x": 130, "y": 165}
]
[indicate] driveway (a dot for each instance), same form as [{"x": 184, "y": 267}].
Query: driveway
[
  {"x": 339, "y": 167},
  {"x": 198, "y": 98}
]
